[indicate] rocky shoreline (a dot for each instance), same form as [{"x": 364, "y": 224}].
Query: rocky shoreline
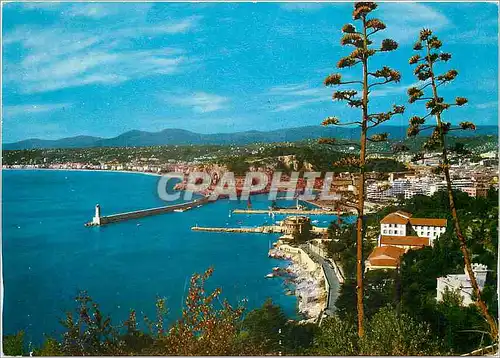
[{"x": 307, "y": 279}]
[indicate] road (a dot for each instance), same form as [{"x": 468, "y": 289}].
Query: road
[{"x": 330, "y": 276}]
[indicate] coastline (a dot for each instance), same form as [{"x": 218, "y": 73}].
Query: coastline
[
  {"x": 87, "y": 170},
  {"x": 307, "y": 281},
  {"x": 307, "y": 278}
]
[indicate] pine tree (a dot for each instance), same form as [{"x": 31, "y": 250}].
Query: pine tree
[
  {"x": 426, "y": 63},
  {"x": 363, "y": 50}
]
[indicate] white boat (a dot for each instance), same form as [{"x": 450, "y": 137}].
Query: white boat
[
  {"x": 269, "y": 275},
  {"x": 315, "y": 221},
  {"x": 179, "y": 210}
]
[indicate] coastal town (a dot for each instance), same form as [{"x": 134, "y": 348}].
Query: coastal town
[
  {"x": 316, "y": 275},
  {"x": 250, "y": 179}
]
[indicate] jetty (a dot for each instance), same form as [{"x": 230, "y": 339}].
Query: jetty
[
  {"x": 99, "y": 220},
  {"x": 269, "y": 229},
  {"x": 288, "y": 211}
]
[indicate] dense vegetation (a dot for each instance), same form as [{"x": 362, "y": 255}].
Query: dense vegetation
[{"x": 412, "y": 290}]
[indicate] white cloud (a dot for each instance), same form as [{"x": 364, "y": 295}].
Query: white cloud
[
  {"x": 199, "y": 102},
  {"x": 405, "y": 20},
  {"x": 486, "y": 105},
  {"x": 394, "y": 89},
  {"x": 27, "y": 109},
  {"x": 476, "y": 36},
  {"x": 294, "y": 96},
  {"x": 60, "y": 57},
  {"x": 48, "y": 6},
  {"x": 90, "y": 10},
  {"x": 302, "y": 6}
]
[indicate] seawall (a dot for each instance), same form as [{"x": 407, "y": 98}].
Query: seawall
[{"x": 104, "y": 220}]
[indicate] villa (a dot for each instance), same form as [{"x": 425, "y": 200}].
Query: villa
[
  {"x": 461, "y": 283},
  {"x": 400, "y": 232}
]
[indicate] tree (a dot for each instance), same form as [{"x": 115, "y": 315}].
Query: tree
[
  {"x": 13, "y": 345},
  {"x": 336, "y": 337},
  {"x": 342, "y": 247},
  {"x": 264, "y": 325},
  {"x": 391, "y": 333},
  {"x": 436, "y": 105},
  {"x": 380, "y": 291},
  {"x": 361, "y": 41},
  {"x": 269, "y": 328}
]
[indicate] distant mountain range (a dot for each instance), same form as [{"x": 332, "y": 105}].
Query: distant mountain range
[{"x": 136, "y": 138}]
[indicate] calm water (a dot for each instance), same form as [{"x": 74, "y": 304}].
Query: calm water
[{"x": 48, "y": 255}]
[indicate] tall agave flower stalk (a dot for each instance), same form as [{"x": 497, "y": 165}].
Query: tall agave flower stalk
[
  {"x": 428, "y": 46},
  {"x": 360, "y": 37}
]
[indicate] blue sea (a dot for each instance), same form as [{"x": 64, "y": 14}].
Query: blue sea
[{"x": 48, "y": 254}]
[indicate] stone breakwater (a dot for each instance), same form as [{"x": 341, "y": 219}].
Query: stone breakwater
[{"x": 104, "y": 220}]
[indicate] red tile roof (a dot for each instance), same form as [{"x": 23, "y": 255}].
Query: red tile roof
[
  {"x": 394, "y": 218},
  {"x": 404, "y": 240},
  {"x": 428, "y": 222},
  {"x": 386, "y": 256},
  {"x": 404, "y": 213}
]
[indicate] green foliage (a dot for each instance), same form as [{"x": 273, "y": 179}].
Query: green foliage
[
  {"x": 237, "y": 165},
  {"x": 269, "y": 328},
  {"x": 342, "y": 248},
  {"x": 387, "y": 333},
  {"x": 336, "y": 337},
  {"x": 13, "y": 345},
  {"x": 50, "y": 348},
  {"x": 391, "y": 333},
  {"x": 264, "y": 324},
  {"x": 380, "y": 290},
  {"x": 384, "y": 165},
  {"x": 461, "y": 328}
]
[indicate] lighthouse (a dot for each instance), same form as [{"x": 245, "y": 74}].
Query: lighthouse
[{"x": 96, "y": 220}]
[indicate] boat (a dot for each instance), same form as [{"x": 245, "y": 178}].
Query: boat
[
  {"x": 276, "y": 268},
  {"x": 315, "y": 221},
  {"x": 179, "y": 210},
  {"x": 270, "y": 275},
  {"x": 229, "y": 214},
  {"x": 198, "y": 206}
]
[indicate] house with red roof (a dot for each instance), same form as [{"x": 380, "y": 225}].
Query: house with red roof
[{"x": 397, "y": 235}]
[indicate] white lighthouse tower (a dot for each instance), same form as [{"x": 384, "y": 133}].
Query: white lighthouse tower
[{"x": 96, "y": 220}]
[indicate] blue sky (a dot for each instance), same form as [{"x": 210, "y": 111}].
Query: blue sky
[{"x": 105, "y": 68}]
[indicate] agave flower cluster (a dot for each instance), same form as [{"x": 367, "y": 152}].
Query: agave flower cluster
[
  {"x": 425, "y": 63},
  {"x": 360, "y": 38}
]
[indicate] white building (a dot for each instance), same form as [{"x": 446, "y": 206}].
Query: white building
[
  {"x": 461, "y": 284},
  {"x": 401, "y": 223}
]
